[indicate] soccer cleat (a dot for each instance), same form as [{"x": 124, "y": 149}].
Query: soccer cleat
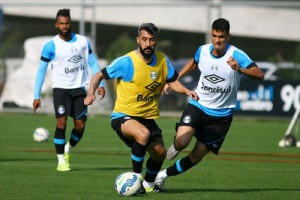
[
  {"x": 158, "y": 188},
  {"x": 67, "y": 159},
  {"x": 160, "y": 181},
  {"x": 141, "y": 190},
  {"x": 172, "y": 152},
  {"x": 63, "y": 167}
]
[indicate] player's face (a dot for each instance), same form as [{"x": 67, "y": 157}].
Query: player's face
[
  {"x": 219, "y": 40},
  {"x": 63, "y": 26},
  {"x": 146, "y": 43}
]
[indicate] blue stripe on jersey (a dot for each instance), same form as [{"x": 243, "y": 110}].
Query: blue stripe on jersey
[
  {"x": 121, "y": 67},
  {"x": 171, "y": 69},
  {"x": 116, "y": 115},
  {"x": 224, "y": 112},
  {"x": 178, "y": 167},
  {"x": 137, "y": 159},
  {"x": 59, "y": 141}
]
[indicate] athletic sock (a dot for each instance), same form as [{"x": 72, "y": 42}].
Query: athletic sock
[
  {"x": 75, "y": 137},
  {"x": 138, "y": 152},
  {"x": 152, "y": 169},
  {"x": 180, "y": 166},
  {"x": 59, "y": 140}
]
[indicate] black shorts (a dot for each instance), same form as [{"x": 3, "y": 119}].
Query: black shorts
[
  {"x": 150, "y": 124},
  {"x": 210, "y": 131},
  {"x": 69, "y": 102}
]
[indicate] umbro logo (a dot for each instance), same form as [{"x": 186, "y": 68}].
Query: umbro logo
[
  {"x": 214, "y": 78},
  {"x": 153, "y": 86},
  {"x": 75, "y": 59}
]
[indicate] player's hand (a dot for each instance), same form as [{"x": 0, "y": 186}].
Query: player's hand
[
  {"x": 166, "y": 89},
  {"x": 89, "y": 100},
  {"x": 233, "y": 64},
  {"x": 36, "y": 104},
  {"x": 193, "y": 95},
  {"x": 101, "y": 92}
]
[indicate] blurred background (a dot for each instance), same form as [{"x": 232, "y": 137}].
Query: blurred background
[{"x": 268, "y": 31}]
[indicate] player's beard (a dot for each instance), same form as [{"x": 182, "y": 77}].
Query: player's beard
[
  {"x": 147, "y": 55},
  {"x": 64, "y": 34}
]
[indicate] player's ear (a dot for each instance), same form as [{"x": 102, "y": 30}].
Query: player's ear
[
  {"x": 228, "y": 37},
  {"x": 137, "y": 40}
]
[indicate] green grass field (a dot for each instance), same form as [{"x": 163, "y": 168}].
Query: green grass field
[{"x": 249, "y": 166}]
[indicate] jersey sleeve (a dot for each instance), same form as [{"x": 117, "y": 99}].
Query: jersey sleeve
[
  {"x": 197, "y": 55},
  {"x": 242, "y": 58},
  {"x": 121, "y": 67},
  {"x": 47, "y": 54},
  {"x": 93, "y": 63},
  {"x": 172, "y": 75}
]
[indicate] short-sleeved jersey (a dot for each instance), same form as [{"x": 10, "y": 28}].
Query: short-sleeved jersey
[
  {"x": 218, "y": 83},
  {"x": 139, "y": 85},
  {"x": 69, "y": 61}
]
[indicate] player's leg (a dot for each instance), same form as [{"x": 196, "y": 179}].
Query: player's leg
[
  {"x": 154, "y": 163},
  {"x": 139, "y": 134},
  {"x": 61, "y": 111},
  {"x": 183, "y": 164},
  {"x": 79, "y": 114},
  {"x": 182, "y": 139}
]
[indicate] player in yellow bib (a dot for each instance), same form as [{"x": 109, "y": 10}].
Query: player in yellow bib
[{"x": 141, "y": 76}]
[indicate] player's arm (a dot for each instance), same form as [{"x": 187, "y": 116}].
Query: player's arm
[
  {"x": 46, "y": 55},
  {"x": 244, "y": 65},
  {"x": 97, "y": 78},
  {"x": 178, "y": 87},
  {"x": 94, "y": 65}
]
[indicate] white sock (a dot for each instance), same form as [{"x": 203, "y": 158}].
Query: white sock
[
  {"x": 139, "y": 175},
  {"x": 68, "y": 147},
  {"x": 61, "y": 158},
  {"x": 164, "y": 173},
  {"x": 148, "y": 184}
]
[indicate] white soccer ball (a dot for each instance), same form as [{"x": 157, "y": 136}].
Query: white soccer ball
[
  {"x": 127, "y": 184},
  {"x": 41, "y": 135}
]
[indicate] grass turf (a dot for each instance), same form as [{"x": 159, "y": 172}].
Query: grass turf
[{"x": 249, "y": 166}]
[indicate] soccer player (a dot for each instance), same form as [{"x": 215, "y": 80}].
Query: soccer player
[
  {"x": 208, "y": 119},
  {"x": 69, "y": 55},
  {"x": 141, "y": 75}
]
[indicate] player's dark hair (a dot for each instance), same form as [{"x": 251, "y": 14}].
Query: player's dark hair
[
  {"x": 63, "y": 12},
  {"x": 150, "y": 28},
  {"x": 221, "y": 24}
]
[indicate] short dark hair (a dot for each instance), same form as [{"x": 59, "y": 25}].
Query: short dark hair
[
  {"x": 149, "y": 27},
  {"x": 63, "y": 12},
  {"x": 221, "y": 24}
]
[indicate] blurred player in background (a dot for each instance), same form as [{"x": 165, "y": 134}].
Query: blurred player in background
[
  {"x": 69, "y": 55},
  {"x": 141, "y": 75},
  {"x": 209, "y": 119}
]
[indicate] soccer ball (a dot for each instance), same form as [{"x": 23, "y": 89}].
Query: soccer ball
[
  {"x": 41, "y": 135},
  {"x": 127, "y": 184},
  {"x": 288, "y": 141}
]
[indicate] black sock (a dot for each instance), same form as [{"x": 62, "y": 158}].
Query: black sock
[
  {"x": 75, "y": 137},
  {"x": 152, "y": 169},
  {"x": 59, "y": 140},
  {"x": 180, "y": 166},
  {"x": 138, "y": 152}
]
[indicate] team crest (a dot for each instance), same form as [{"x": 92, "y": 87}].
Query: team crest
[
  {"x": 187, "y": 119},
  {"x": 153, "y": 75},
  {"x": 61, "y": 109}
]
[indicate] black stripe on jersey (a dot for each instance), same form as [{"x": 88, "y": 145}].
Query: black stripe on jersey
[
  {"x": 174, "y": 77},
  {"x": 45, "y": 59},
  {"x": 105, "y": 74},
  {"x": 251, "y": 65},
  {"x": 90, "y": 51}
]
